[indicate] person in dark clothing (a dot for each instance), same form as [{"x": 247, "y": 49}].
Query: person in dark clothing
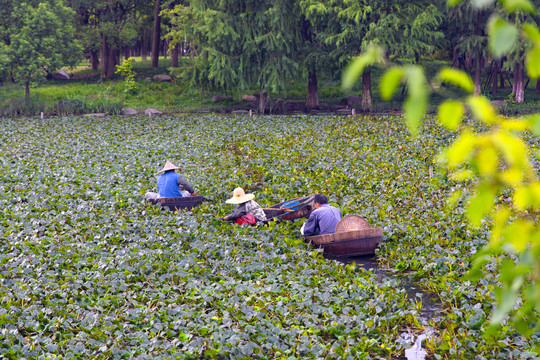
[
  {"x": 247, "y": 211},
  {"x": 171, "y": 184},
  {"x": 323, "y": 219}
]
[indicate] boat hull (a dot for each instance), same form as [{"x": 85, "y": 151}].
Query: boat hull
[
  {"x": 348, "y": 243},
  {"x": 177, "y": 203},
  {"x": 303, "y": 208}
]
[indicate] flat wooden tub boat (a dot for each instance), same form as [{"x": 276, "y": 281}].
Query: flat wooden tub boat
[
  {"x": 348, "y": 243},
  {"x": 291, "y": 209},
  {"x": 177, "y": 203}
]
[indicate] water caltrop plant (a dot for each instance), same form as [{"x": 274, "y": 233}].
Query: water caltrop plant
[
  {"x": 499, "y": 163},
  {"x": 89, "y": 269}
]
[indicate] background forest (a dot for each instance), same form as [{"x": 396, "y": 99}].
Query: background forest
[{"x": 272, "y": 50}]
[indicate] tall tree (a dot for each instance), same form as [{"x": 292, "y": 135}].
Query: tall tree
[
  {"x": 405, "y": 28},
  {"x": 470, "y": 21},
  {"x": 115, "y": 23},
  {"x": 515, "y": 59},
  {"x": 245, "y": 42},
  {"x": 315, "y": 53},
  {"x": 36, "y": 39},
  {"x": 156, "y": 39}
]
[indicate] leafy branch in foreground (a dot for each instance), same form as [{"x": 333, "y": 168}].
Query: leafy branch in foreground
[{"x": 498, "y": 160}]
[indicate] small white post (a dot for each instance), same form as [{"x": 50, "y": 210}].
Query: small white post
[
  {"x": 430, "y": 171},
  {"x": 42, "y": 114},
  {"x": 250, "y": 113},
  {"x": 353, "y": 111}
]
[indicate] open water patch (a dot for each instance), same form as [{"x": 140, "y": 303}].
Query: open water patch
[{"x": 431, "y": 308}]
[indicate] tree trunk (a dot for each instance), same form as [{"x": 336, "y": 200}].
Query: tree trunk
[
  {"x": 538, "y": 84},
  {"x": 515, "y": 82},
  {"x": 27, "y": 90},
  {"x": 94, "y": 59},
  {"x": 367, "y": 102},
  {"x": 478, "y": 75},
  {"x": 156, "y": 39},
  {"x": 110, "y": 66},
  {"x": 262, "y": 102},
  {"x": 105, "y": 57},
  {"x": 494, "y": 76},
  {"x": 174, "y": 56},
  {"x": 501, "y": 75},
  {"x": 312, "y": 101},
  {"x": 455, "y": 57},
  {"x": 144, "y": 45},
  {"x": 520, "y": 84}
]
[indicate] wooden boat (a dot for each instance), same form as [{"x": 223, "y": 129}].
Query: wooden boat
[
  {"x": 177, "y": 203},
  {"x": 291, "y": 209},
  {"x": 353, "y": 237}
]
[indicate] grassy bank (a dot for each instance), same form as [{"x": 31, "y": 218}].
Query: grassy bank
[{"x": 88, "y": 92}]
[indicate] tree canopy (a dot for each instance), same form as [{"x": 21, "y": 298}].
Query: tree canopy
[{"x": 36, "y": 39}]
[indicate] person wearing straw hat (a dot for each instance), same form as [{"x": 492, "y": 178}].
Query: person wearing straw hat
[
  {"x": 323, "y": 220},
  {"x": 247, "y": 211},
  {"x": 171, "y": 184}
]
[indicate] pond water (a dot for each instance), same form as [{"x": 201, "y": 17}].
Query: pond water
[{"x": 431, "y": 309}]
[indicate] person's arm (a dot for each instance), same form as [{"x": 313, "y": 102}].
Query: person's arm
[
  {"x": 311, "y": 226},
  {"x": 236, "y": 213},
  {"x": 184, "y": 185}
]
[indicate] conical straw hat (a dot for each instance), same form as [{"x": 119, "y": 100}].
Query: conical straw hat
[
  {"x": 239, "y": 197},
  {"x": 168, "y": 166}
]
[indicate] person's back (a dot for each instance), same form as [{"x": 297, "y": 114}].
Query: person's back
[
  {"x": 170, "y": 184},
  {"x": 167, "y": 184},
  {"x": 323, "y": 220},
  {"x": 328, "y": 218}
]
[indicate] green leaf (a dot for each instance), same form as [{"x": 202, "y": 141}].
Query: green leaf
[
  {"x": 452, "y": 3},
  {"x": 534, "y": 123},
  {"x": 514, "y": 5},
  {"x": 480, "y": 204},
  {"x": 482, "y": 3},
  {"x": 416, "y": 103},
  {"x": 502, "y": 36},
  {"x": 518, "y": 235},
  {"x": 457, "y": 78},
  {"x": 487, "y": 160},
  {"x": 450, "y": 114},
  {"x": 506, "y": 299},
  {"x": 461, "y": 150},
  {"x": 531, "y": 32},
  {"x": 532, "y": 62},
  {"x": 373, "y": 55},
  {"x": 476, "y": 272},
  {"x": 390, "y": 82},
  {"x": 482, "y": 109}
]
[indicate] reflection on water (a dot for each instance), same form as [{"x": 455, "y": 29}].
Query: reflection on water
[{"x": 431, "y": 309}]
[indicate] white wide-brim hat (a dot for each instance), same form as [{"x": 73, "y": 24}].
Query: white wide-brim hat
[
  {"x": 239, "y": 197},
  {"x": 168, "y": 166}
]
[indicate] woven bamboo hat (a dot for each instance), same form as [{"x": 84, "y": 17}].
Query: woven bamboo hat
[
  {"x": 351, "y": 223},
  {"x": 168, "y": 166},
  {"x": 239, "y": 197}
]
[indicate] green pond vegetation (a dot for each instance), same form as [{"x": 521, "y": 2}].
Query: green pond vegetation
[{"x": 89, "y": 269}]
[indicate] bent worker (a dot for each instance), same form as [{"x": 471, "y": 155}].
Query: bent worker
[
  {"x": 247, "y": 211},
  {"x": 171, "y": 184},
  {"x": 323, "y": 220}
]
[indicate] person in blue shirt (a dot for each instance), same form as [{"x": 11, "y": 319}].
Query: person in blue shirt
[
  {"x": 323, "y": 219},
  {"x": 171, "y": 184}
]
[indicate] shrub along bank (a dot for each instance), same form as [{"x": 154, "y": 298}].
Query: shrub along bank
[{"x": 88, "y": 268}]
